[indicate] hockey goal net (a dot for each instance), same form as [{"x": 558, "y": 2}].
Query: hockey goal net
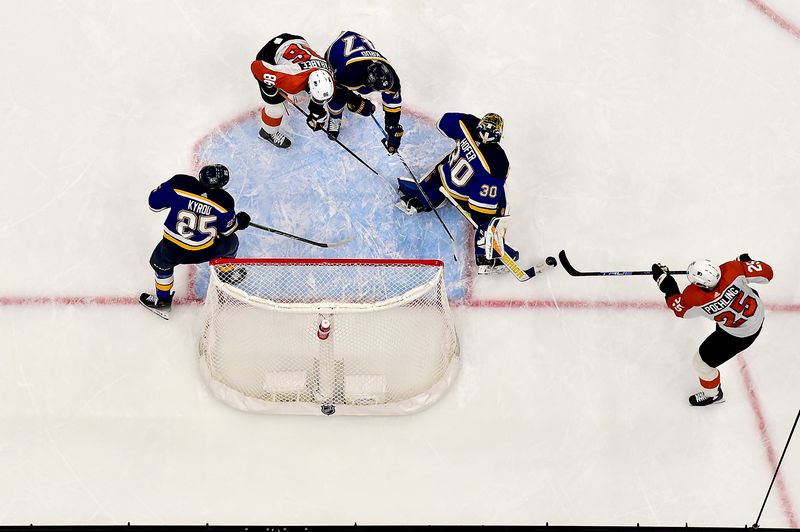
[{"x": 324, "y": 336}]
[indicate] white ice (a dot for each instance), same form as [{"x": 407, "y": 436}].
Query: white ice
[{"x": 637, "y": 131}]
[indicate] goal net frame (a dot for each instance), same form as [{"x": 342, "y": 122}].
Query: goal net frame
[{"x": 429, "y": 298}]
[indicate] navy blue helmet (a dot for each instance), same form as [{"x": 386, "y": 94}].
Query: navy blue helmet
[
  {"x": 214, "y": 176},
  {"x": 379, "y": 76}
]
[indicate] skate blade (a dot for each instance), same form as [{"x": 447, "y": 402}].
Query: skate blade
[
  {"x": 710, "y": 404},
  {"x": 276, "y": 145},
  {"x": 405, "y": 208},
  {"x": 158, "y": 312},
  {"x": 492, "y": 270}
]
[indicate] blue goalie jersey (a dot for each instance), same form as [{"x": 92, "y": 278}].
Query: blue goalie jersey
[
  {"x": 349, "y": 56},
  {"x": 475, "y": 173},
  {"x": 197, "y": 216}
]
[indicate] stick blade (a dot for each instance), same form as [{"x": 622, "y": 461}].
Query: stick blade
[
  {"x": 338, "y": 243},
  {"x": 562, "y": 256}
]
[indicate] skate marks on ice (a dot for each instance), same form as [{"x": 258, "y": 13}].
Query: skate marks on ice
[{"x": 317, "y": 190}]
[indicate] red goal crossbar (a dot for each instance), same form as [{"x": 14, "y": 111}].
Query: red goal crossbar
[{"x": 409, "y": 262}]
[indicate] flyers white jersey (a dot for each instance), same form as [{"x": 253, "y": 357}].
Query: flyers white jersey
[
  {"x": 293, "y": 62},
  {"x": 733, "y": 304}
]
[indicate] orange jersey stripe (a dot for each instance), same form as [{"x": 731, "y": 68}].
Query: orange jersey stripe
[{"x": 270, "y": 121}]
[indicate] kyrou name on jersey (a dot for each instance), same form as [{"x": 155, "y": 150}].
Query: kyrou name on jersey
[
  {"x": 200, "y": 208},
  {"x": 725, "y": 300}
]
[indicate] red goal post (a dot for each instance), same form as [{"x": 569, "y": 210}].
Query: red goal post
[{"x": 324, "y": 336}]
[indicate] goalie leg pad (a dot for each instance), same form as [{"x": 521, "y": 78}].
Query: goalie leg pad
[{"x": 492, "y": 237}]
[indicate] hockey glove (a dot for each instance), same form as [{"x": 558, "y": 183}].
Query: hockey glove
[
  {"x": 744, "y": 257},
  {"x": 659, "y": 270},
  {"x": 242, "y": 220},
  {"x": 316, "y": 121},
  {"x": 333, "y": 128},
  {"x": 361, "y": 106},
  {"x": 392, "y": 142},
  {"x": 666, "y": 282}
]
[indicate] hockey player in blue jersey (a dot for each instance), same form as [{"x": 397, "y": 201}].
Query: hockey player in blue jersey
[
  {"x": 359, "y": 69},
  {"x": 474, "y": 175},
  {"x": 200, "y": 226}
]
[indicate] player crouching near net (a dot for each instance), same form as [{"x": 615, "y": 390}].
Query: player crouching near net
[
  {"x": 201, "y": 226},
  {"x": 473, "y": 175},
  {"x": 724, "y": 295},
  {"x": 286, "y": 66}
]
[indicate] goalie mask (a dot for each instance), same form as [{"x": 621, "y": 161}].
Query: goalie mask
[
  {"x": 379, "y": 76},
  {"x": 490, "y": 128},
  {"x": 214, "y": 176},
  {"x": 704, "y": 274},
  {"x": 320, "y": 85}
]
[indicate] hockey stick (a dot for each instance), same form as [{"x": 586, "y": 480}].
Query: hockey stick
[
  {"x": 337, "y": 141},
  {"x": 562, "y": 255},
  {"x": 519, "y": 273},
  {"x": 419, "y": 187},
  {"x": 300, "y": 238}
]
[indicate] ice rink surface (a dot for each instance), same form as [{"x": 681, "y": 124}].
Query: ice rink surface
[{"x": 637, "y": 131}]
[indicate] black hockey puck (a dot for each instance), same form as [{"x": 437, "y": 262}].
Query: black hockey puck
[{"x": 550, "y": 261}]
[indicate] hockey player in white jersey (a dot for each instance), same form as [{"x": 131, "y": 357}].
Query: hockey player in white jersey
[{"x": 723, "y": 294}]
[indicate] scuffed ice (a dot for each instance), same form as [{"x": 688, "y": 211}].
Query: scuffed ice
[{"x": 315, "y": 189}]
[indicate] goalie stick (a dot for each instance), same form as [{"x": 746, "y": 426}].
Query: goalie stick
[
  {"x": 419, "y": 187},
  {"x": 300, "y": 238},
  {"x": 519, "y": 273},
  {"x": 562, "y": 256}
]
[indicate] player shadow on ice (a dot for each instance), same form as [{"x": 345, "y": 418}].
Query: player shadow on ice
[{"x": 316, "y": 190}]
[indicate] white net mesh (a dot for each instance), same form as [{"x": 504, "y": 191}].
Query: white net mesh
[{"x": 317, "y": 336}]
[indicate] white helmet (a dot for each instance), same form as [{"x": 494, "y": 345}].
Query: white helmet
[
  {"x": 704, "y": 274},
  {"x": 320, "y": 85}
]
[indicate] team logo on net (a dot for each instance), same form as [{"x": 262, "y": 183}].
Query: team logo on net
[{"x": 328, "y": 410}]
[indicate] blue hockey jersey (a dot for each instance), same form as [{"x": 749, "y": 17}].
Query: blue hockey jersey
[
  {"x": 197, "y": 216},
  {"x": 348, "y": 57},
  {"x": 474, "y": 174}
]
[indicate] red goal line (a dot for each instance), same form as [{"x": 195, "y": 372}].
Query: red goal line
[{"x": 10, "y": 301}]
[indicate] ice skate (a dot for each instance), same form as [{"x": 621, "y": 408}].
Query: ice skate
[
  {"x": 409, "y": 205},
  {"x": 278, "y": 139},
  {"x": 490, "y": 266},
  {"x": 702, "y": 399},
  {"x": 159, "y": 307}
]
